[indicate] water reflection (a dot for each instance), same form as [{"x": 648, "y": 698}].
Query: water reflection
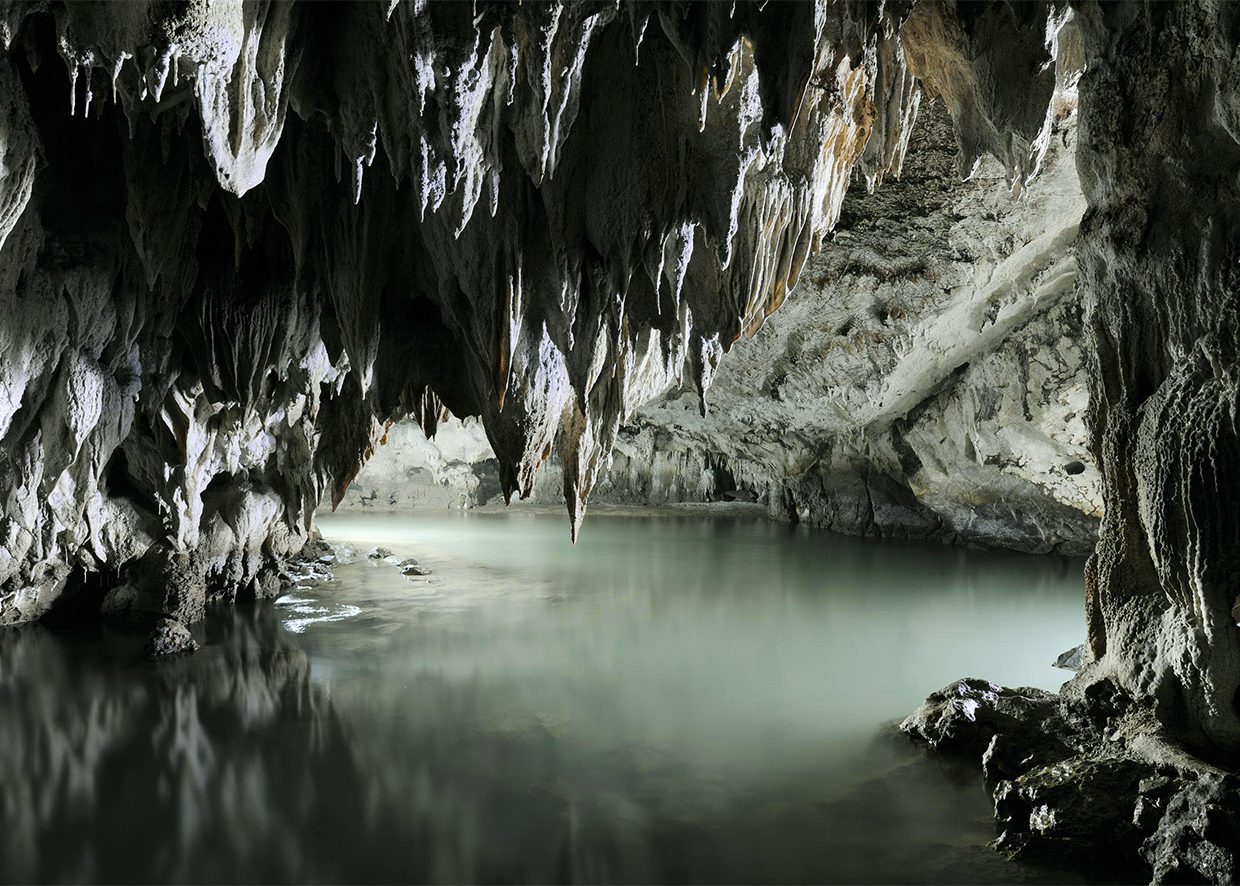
[{"x": 674, "y": 700}]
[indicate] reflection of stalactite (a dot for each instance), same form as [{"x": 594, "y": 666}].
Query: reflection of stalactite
[
  {"x": 189, "y": 747},
  {"x": 262, "y": 231}
]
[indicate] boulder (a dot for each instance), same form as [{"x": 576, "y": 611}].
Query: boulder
[{"x": 169, "y": 637}]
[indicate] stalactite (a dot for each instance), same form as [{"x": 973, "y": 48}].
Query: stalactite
[{"x": 283, "y": 225}]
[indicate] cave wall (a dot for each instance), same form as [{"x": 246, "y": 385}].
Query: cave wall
[
  {"x": 927, "y": 378},
  {"x": 237, "y": 239},
  {"x": 1159, "y": 158}
]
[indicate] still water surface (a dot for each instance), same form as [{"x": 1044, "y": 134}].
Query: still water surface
[{"x": 674, "y": 699}]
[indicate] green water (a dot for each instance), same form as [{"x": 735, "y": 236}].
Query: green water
[{"x": 673, "y": 699}]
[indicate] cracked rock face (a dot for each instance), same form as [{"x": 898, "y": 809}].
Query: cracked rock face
[
  {"x": 1088, "y": 777},
  {"x": 239, "y": 239}
]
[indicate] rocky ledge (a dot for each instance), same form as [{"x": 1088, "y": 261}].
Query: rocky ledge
[{"x": 1087, "y": 777}]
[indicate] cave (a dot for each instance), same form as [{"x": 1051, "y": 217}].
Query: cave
[{"x": 892, "y": 346}]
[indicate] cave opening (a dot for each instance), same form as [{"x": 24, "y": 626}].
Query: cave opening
[{"x": 891, "y": 345}]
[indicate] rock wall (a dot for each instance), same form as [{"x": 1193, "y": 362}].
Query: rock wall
[
  {"x": 454, "y": 469},
  {"x": 1160, "y": 164},
  {"x": 1133, "y": 763},
  {"x": 927, "y": 378},
  {"x": 237, "y": 239}
]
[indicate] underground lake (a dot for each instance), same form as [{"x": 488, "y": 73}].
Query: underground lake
[{"x": 689, "y": 698}]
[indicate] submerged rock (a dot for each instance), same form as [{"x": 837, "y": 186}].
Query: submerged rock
[
  {"x": 169, "y": 637},
  {"x": 379, "y": 553}
]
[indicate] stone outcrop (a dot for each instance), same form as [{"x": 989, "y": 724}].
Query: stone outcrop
[{"x": 1088, "y": 778}]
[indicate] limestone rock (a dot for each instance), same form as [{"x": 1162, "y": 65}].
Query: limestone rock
[
  {"x": 1088, "y": 776},
  {"x": 1072, "y": 807},
  {"x": 1198, "y": 836},
  {"x": 170, "y": 637},
  {"x": 965, "y": 716},
  {"x": 1073, "y": 659},
  {"x": 927, "y": 379}
]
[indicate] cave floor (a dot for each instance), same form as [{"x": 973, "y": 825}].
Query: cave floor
[{"x": 674, "y": 699}]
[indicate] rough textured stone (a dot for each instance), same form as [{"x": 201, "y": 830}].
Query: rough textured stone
[
  {"x": 1198, "y": 836},
  {"x": 965, "y": 716},
  {"x": 237, "y": 240},
  {"x": 1160, "y": 166},
  {"x": 1073, "y": 807},
  {"x": 169, "y": 637},
  {"x": 927, "y": 378},
  {"x": 1089, "y": 776}
]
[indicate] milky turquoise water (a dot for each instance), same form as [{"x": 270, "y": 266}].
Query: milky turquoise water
[{"x": 673, "y": 699}]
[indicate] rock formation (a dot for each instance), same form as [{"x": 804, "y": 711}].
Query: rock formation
[
  {"x": 1159, "y": 159},
  {"x": 1157, "y": 713},
  {"x": 926, "y": 379},
  {"x": 237, "y": 239}
]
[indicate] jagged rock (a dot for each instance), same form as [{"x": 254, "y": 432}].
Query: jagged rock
[
  {"x": 379, "y": 554},
  {"x": 1087, "y": 775},
  {"x": 316, "y": 550},
  {"x": 927, "y": 379},
  {"x": 1072, "y": 807},
  {"x": 170, "y": 637},
  {"x": 1198, "y": 835},
  {"x": 963, "y": 717},
  {"x": 239, "y": 240},
  {"x": 1074, "y": 659},
  {"x": 414, "y": 569}
]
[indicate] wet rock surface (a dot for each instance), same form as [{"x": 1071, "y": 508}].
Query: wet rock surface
[
  {"x": 169, "y": 638},
  {"x": 966, "y": 716},
  {"x": 1086, "y": 775}
]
